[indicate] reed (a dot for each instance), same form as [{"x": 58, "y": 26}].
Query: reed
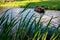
[{"x": 26, "y": 30}]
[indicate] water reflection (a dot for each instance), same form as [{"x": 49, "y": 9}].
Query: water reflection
[{"x": 48, "y": 14}]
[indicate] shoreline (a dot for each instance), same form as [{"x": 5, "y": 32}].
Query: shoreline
[{"x": 53, "y": 5}]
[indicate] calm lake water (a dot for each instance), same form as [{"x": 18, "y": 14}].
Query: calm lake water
[{"x": 47, "y": 16}]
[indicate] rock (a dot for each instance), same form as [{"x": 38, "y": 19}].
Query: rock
[{"x": 39, "y": 9}]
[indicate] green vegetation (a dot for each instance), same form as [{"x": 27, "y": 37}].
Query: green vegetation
[
  {"x": 25, "y": 29},
  {"x": 51, "y": 5}
]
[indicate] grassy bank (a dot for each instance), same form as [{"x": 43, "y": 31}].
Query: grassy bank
[{"x": 52, "y": 5}]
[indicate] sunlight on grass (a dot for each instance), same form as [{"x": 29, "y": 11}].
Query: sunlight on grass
[{"x": 16, "y": 3}]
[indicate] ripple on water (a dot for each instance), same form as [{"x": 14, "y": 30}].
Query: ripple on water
[{"x": 47, "y": 16}]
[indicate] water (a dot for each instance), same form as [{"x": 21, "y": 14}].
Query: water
[{"x": 47, "y": 16}]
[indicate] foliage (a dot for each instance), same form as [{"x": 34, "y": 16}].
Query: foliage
[
  {"x": 25, "y": 30},
  {"x": 51, "y": 5}
]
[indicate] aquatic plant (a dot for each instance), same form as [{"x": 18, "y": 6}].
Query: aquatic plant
[{"x": 18, "y": 28}]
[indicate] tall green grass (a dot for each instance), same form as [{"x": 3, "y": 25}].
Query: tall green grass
[{"x": 26, "y": 30}]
